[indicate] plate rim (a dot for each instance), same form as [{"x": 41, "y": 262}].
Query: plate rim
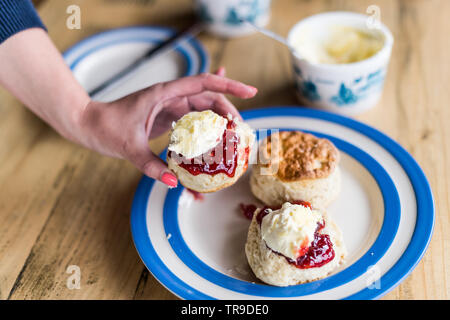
[
  {"x": 380, "y": 245},
  {"x": 422, "y": 235},
  {"x": 425, "y": 212},
  {"x": 197, "y": 45}
]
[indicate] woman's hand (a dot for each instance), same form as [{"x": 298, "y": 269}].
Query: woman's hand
[
  {"x": 122, "y": 128},
  {"x": 33, "y": 70}
]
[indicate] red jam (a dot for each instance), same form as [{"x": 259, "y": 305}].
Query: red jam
[
  {"x": 221, "y": 159},
  {"x": 264, "y": 212},
  {"x": 231, "y": 125},
  {"x": 301, "y": 203},
  {"x": 249, "y": 209},
  {"x": 319, "y": 252}
]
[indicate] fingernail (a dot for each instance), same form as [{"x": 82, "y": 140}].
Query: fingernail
[
  {"x": 221, "y": 71},
  {"x": 253, "y": 92},
  {"x": 169, "y": 179}
]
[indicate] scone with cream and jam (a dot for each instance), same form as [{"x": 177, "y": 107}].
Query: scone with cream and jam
[
  {"x": 293, "y": 244},
  {"x": 296, "y": 165},
  {"x": 208, "y": 152}
]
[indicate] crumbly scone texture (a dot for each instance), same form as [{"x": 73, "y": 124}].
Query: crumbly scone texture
[
  {"x": 272, "y": 191},
  {"x": 275, "y": 270},
  {"x": 298, "y": 155}
]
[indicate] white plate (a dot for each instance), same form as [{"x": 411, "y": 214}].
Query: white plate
[
  {"x": 385, "y": 210},
  {"x": 97, "y": 58}
]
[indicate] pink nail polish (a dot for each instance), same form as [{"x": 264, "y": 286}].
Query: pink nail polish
[
  {"x": 253, "y": 91},
  {"x": 169, "y": 179},
  {"x": 221, "y": 72}
]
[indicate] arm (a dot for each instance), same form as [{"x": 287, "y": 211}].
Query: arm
[{"x": 34, "y": 71}]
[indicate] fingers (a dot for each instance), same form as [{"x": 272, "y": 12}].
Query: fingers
[
  {"x": 171, "y": 111},
  {"x": 223, "y": 106},
  {"x": 153, "y": 167},
  {"x": 215, "y": 101},
  {"x": 200, "y": 92},
  {"x": 205, "y": 82}
]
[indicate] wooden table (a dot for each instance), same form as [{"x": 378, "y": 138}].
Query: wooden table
[{"x": 62, "y": 205}]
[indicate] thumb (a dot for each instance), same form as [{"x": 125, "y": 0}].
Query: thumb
[{"x": 152, "y": 166}]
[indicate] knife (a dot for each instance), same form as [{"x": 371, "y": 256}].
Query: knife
[{"x": 164, "y": 47}]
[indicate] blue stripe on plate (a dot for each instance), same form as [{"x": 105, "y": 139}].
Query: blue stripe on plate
[
  {"x": 88, "y": 42},
  {"x": 145, "y": 247},
  {"x": 424, "y": 227},
  {"x": 189, "y": 71},
  {"x": 382, "y": 243},
  {"x": 412, "y": 255}
]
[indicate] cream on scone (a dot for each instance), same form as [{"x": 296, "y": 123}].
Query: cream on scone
[
  {"x": 208, "y": 152},
  {"x": 296, "y": 165},
  {"x": 293, "y": 244}
]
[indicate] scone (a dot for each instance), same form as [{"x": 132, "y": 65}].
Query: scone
[
  {"x": 293, "y": 245},
  {"x": 296, "y": 165},
  {"x": 208, "y": 152}
]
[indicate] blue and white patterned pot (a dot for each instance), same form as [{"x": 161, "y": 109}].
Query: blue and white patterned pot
[
  {"x": 343, "y": 88},
  {"x": 224, "y": 17}
]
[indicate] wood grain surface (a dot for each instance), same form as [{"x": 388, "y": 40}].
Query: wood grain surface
[{"x": 62, "y": 205}]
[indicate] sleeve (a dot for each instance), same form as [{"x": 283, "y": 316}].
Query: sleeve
[{"x": 16, "y": 16}]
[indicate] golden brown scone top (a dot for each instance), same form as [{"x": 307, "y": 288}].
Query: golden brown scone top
[{"x": 301, "y": 155}]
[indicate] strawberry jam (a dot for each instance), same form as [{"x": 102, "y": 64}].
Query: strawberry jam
[
  {"x": 249, "y": 209},
  {"x": 221, "y": 159},
  {"x": 319, "y": 252}
]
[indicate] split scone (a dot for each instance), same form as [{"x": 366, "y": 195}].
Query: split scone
[
  {"x": 296, "y": 165},
  {"x": 293, "y": 244},
  {"x": 208, "y": 152}
]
